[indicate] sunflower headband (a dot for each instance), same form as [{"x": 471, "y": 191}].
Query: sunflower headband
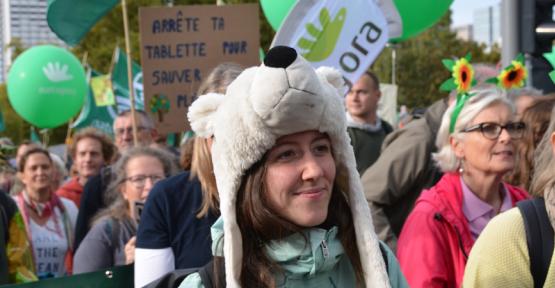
[
  {"x": 462, "y": 79},
  {"x": 513, "y": 76}
]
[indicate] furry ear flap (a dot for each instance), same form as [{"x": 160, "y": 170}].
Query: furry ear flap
[
  {"x": 201, "y": 114},
  {"x": 332, "y": 76}
]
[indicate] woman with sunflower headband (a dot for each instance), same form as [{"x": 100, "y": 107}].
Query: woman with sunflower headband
[{"x": 476, "y": 147}]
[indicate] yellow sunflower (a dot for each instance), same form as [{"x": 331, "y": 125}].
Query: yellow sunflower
[
  {"x": 463, "y": 73},
  {"x": 513, "y": 76}
]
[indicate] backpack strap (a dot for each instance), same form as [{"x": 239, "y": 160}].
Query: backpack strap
[
  {"x": 172, "y": 279},
  {"x": 207, "y": 274},
  {"x": 539, "y": 237}
]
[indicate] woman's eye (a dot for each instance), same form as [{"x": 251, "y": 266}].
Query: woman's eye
[
  {"x": 286, "y": 155},
  {"x": 322, "y": 148}
]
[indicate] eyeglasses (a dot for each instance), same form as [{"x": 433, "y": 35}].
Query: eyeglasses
[
  {"x": 128, "y": 130},
  {"x": 493, "y": 130},
  {"x": 139, "y": 181}
]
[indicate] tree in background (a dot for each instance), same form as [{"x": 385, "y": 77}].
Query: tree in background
[{"x": 419, "y": 68}]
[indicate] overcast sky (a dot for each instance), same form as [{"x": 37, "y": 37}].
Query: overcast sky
[{"x": 463, "y": 10}]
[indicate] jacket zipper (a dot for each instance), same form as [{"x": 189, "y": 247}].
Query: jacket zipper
[
  {"x": 325, "y": 249},
  {"x": 439, "y": 217}
]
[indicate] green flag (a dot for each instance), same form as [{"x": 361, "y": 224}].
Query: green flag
[
  {"x": 2, "y": 125},
  {"x": 100, "y": 117},
  {"x": 34, "y": 136},
  {"x": 119, "y": 83},
  {"x": 72, "y": 19}
]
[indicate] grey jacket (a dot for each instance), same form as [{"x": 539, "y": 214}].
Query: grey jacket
[
  {"x": 104, "y": 245},
  {"x": 404, "y": 168}
]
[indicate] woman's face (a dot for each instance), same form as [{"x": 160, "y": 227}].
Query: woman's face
[
  {"x": 483, "y": 155},
  {"x": 142, "y": 173},
  {"x": 37, "y": 173},
  {"x": 299, "y": 178}
]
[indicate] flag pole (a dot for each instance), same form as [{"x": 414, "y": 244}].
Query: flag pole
[{"x": 129, "y": 71}]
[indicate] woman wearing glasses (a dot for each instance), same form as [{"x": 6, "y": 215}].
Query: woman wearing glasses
[
  {"x": 476, "y": 148},
  {"x": 111, "y": 240}
]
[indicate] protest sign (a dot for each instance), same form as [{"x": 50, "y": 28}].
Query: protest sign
[
  {"x": 180, "y": 45},
  {"x": 347, "y": 35}
]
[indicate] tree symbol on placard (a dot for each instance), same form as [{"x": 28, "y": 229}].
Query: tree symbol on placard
[{"x": 159, "y": 104}]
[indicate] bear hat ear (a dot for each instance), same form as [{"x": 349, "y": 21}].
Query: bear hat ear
[
  {"x": 201, "y": 114},
  {"x": 333, "y": 77}
]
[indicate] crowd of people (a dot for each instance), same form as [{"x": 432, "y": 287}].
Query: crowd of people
[{"x": 285, "y": 183}]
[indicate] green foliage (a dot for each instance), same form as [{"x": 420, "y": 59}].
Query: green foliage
[
  {"x": 420, "y": 70},
  {"x": 17, "y": 47}
]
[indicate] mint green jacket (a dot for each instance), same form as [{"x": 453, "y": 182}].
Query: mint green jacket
[{"x": 323, "y": 263}]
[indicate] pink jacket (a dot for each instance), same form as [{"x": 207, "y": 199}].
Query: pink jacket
[{"x": 435, "y": 241}]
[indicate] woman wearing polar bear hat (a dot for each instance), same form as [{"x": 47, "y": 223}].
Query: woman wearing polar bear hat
[{"x": 293, "y": 210}]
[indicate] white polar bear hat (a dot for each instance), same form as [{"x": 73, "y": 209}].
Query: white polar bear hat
[{"x": 282, "y": 96}]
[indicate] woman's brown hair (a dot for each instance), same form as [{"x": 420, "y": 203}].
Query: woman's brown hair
[
  {"x": 30, "y": 152},
  {"x": 536, "y": 118},
  {"x": 259, "y": 225}
]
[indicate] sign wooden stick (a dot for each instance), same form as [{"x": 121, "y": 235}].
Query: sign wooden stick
[{"x": 129, "y": 71}]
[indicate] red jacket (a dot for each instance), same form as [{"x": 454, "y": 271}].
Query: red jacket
[
  {"x": 435, "y": 241},
  {"x": 71, "y": 190}
]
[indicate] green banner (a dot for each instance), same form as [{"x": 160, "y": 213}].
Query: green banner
[
  {"x": 120, "y": 86},
  {"x": 100, "y": 117},
  {"x": 2, "y": 125},
  {"x": 72, "y": 19},
  {"x": 117, "y": 277}
]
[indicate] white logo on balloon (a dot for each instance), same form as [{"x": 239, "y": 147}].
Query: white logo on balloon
[{"x": 55, "y": 72}]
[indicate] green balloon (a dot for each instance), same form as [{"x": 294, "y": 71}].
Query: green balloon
[
  {"x": 276, "y": 11},
  {"x": 46, "y": 86},
  {"x": 419, "y": 15}
]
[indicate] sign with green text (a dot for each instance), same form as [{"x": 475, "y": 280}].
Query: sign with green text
[{"x": 180, "y": 46}]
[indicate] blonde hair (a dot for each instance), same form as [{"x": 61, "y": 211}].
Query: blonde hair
[
  {"x": 202, "y": 168},
  {"x": 445, "y": 158}
]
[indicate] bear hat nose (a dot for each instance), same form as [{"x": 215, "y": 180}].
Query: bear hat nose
[{"x": 280, "y": 57}]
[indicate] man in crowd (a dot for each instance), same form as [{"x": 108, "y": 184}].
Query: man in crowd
[
  {"x": 93, "y": 198},
  {"x": 91, "y": 150},
  {"x": 366, "y": 129}
]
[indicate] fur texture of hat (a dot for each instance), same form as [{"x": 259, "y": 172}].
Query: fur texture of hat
[
  {"x": 284, "y": 95},
  {"x": 201, "y": 114}
]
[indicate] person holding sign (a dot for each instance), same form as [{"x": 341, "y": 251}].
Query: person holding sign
[
  {"x": 293, "y": 210},
  {"x": 110, "y": 242}
]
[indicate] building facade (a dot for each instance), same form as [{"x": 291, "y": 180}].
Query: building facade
[
  {"x": 24, "y": 21},
  {"x": 487, "y": 26}
]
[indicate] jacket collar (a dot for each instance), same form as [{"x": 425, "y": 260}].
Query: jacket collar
[{"x": 315, "y": 252}]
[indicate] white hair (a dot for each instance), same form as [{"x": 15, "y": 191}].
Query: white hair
[{"x": 445, "y": 158}]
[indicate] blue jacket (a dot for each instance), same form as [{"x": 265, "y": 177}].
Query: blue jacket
[{"x": 323, "y": 263}]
